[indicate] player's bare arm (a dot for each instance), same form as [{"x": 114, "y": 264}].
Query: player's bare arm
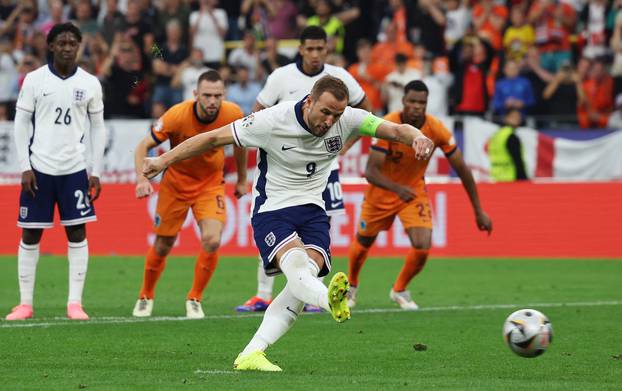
[
  {"x": 408, "y": 135},
  {"x": 191, "y": 147},
  {"x": 373, "y": 174},
  {"x": 143, "y": 186},
  {"x": 241, "y": 159},
  {"x": 484, "y": 223}
]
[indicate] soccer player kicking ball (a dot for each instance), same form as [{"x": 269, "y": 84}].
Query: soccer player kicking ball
[
  {"x": 58, "y": 99},
  {"x": 298, "y": 142},
  {"x": 196, "y": 184},
  {"x": 397, "y": 188},
  {"x": 293, "y": 82}
]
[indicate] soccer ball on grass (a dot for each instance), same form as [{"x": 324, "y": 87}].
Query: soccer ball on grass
[{"x": 527, "y": 332}]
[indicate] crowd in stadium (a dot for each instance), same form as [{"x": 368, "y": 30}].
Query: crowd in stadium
[{"x": 557, "y": 61}]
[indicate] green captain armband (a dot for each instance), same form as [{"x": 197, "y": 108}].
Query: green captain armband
[{"x": 369, "y": 125}]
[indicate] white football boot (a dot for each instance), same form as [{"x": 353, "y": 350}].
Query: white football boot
[
  {"x": 351, "y": 296},
  {"x": 404, "y": 300},
  {"x": 143, "y": 308},
  {"x": 194, "y": 309}
]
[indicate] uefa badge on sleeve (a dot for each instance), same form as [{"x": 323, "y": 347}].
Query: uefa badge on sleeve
[
  {"x": 270, "y": 239},
  {"x": 333, "y": 144}
]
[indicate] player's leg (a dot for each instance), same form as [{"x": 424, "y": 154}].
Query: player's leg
[
  {"x": 373, "y": 219},
  {"x": 75, "y": 209},
  {"x": 417, "y": 221},
  {"x": 170, "y": 215},
  {"x": 35, "y": 213}
]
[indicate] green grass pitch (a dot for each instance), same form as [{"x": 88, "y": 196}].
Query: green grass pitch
[{"x": 464, "y": 303}]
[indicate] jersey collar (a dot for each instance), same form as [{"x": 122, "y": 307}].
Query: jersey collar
[
  {"x": 53, "y": 70},
  {"x": 299, "y": 117},
  {"x": 301, "y": 69}
]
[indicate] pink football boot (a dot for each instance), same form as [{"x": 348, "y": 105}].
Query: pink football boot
[
  {"x": 20, "y": 312},
  {"x": 75, "y": 312}
]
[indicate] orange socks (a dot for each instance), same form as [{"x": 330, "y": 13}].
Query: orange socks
[
  {"x": 357, "y": 257},
  {"x": 154, "y": 264},
  {"x": 203, "y": 270},
  {"x": 414, "y": 263}
]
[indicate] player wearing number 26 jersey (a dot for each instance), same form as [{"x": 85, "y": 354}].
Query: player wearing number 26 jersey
[{"x": 57, "y": 104}]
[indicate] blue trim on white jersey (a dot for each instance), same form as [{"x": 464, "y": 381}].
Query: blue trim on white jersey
[
  {"x": 299, "y": 117},
  {"x": 55, "y": 73},
  {"x": 261, "y": 181}
]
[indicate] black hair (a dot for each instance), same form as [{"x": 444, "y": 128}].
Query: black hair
[
  {"x": 313, "y": 32},
  {"x": 64, "y": 28},
  {"x": 416, "y": 85}
]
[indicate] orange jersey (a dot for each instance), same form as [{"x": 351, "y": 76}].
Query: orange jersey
[
  {"x": 189, "y": 177},
  {"x": 400, "y": 164}
]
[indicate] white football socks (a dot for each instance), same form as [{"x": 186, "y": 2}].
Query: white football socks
[
  {"x": 265, "y": 283},
  {"x": 27, "y": 259},
  {"x": 301, "y": 272},
  {"x": 78, "y": 255},
  {"x": 279, "y": 317}
]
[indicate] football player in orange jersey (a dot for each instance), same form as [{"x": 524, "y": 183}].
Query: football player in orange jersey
[
  {"x": 196, "y": 184},
  {"x": 397, "y": 188}
]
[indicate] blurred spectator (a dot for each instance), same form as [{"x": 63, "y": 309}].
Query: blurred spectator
[
  {"x": 28, "y": 63},
  {"x": 438, "y": 82},
  {"x": 247, "y": 55},
  {"x": 84, "y": 18},
  {"x": 234, "y": 20},
  {"x": 598, "y": 90},
  {"x": 8, "y": 71},
  {"x": 615, "y": 119},
  {"x": 430, "y": 20},
  {"x": 458, "y": 19},
  {"x": 39, "y": 46},
  {"x": 166, "y": 63},
  {"x": 4, "y": 112},
  {"x": 368, "y": 75},
  {"x": 334, "y": 27},
  {"x": 337, "y": 60},
  {"x": 208, "y": 27},
  {"x": 489, "y": 20},
  {"x": 469, "y": 61},
  {"x": 383, "y": 53},
  {"x": 393, "y": 86},
  {"x": 157, "y": 110},
  {"x": 138, "y": 27},
  {"x": 271, "y": 58},
  {"x": 538, "y": 78},
  {"x": 513, "y": 91},
  {"x": 126, "y": 80},
  {"x": 256, "y": 14},
  {"x": 112, "y": 21},
  {"x": 282, "y": 23},
  {"x": 188, "y": 73},
  {"x": 554, "y": 22},
  {"x": 616, "y": 47},
  {"x": 519, "y": 37},
  {"x": 25, "y": 26},
  {"x": 57, "y": 15},
  {"x": 593, "y": 29},
  {"x": 244, "y": 91},
  {"x": 98, "y": 52},
  {"x": 399, "y": 19},
  {"x": 173, "y": 10},
  {"x": 226, "y": 74},
  {"x": 507, "y": 162},
  {"x": 562, "y": 96}
]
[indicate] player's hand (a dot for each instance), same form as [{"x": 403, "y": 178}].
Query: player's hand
[
  {"x": 95, "y": 188},
  {"x": 29, "y": 182},
  {"x": 143, "y": 187},
  {"x": 405, "y": 193},
  {"x": 483, "y": 222},
  {"x": 241, "y": 188},
  {"x": 423, "y": 147},
  {"x": 152, "y": 166}
]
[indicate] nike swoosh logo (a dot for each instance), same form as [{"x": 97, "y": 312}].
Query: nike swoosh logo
[
  {"x": 284, "y": 148},
  {"x": 335, "y": 204},
  {"x": 292, "y": 92},
  {"x": 85, "y": 212},
  {"x": 292, "y": 311},
  {"x": 48, "y": 93}
]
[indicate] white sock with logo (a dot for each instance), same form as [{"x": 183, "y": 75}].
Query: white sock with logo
[
  {"x": 78, "y": 255},
  {"x": 301, "y": 272},
  {"x": 27, "y": 259},
  {"x": 279, "y": 317},
  {"x": 265, "y": 283}
]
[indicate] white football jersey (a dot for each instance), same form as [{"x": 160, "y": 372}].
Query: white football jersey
[
  {"x": 293, "y": 165},
  {"x": 290, "y": 82},
  {"x": 60, "y": 108}
]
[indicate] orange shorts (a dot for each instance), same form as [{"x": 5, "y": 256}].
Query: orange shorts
[
  {"x": 172, "y": 209},
  {"x": 376, "y": 217}
]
